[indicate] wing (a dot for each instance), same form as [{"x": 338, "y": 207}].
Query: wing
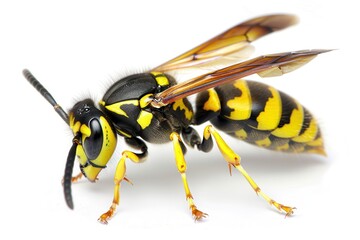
[
  {"x": 264, "y": 66},
  {"x": 235, "y": 39}
]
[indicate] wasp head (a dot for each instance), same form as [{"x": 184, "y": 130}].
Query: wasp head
[{"x": 96, "y": 137}]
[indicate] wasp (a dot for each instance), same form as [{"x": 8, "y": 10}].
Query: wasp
[{"x": 151, "y": 107}]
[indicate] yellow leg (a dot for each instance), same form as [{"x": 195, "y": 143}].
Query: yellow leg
[
  {"x": 234, "y": 159},
  {"x": 181, "y": 166},
  {"x": 119, "y": 176}
]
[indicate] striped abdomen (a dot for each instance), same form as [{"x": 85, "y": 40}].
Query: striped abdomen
[{"x": 261, "y": 115}]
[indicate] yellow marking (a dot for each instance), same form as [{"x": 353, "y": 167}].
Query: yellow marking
[
  {"x": 102, "y": 103},
  {"x": 80, "y": 153},
  {"x": 298, "y": 149},
  {"x": 264, "y": 142},
  {"x": 180, "y": 104},
  {"x": 269, "y": 119},
  {"x": 76, "y": 127},
  {"x": 241, "y": 105},
  {"x": 71, "y": 119},
  {"x": 316, "y": 143},
  {"x": 283, "y": 147},
  {"x": 116, "y": 107},
  {"x": 160, "y": 78},
  {"x": 124, "y": 133},
  {"x": 144, "y": 119},
  {"x": 309, "y": 134},
  {"x": 85, "y": 130},
  {"x": 241, "y": 134},
  {"x": 293, "y": 128},
  {"x": 213, "y": 103},
  {"x": 145, "y": 100}
]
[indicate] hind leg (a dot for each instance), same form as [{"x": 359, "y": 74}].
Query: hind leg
[{"x": 231, "y": 158}]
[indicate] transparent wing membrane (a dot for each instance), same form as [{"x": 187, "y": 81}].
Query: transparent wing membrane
[{"x": 235, "y": 40}]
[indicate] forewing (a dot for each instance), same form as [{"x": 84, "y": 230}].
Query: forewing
[
  {"x": 235, "y": 39},
  {"x": 264, "y": 66}
]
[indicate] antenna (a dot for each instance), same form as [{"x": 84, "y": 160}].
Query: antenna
[{"x": 42, "y": 90}]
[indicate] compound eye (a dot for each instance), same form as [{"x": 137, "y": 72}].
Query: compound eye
[{"x": 93, "y": 143}]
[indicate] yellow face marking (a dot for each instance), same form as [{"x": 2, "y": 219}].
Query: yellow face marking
[
  {"x": 144, "y": 119},
  {"x": 180, "y": 104},
  {"x": 241, "y": 134},
  {"x": 160, "y": 78},
  {"x": 116, "y": 107},
  {"x": 264, "y": 142},
  {"x": 85, "y": 130},
  {"x": 75, "y": 126},
  {"x": 293, "y": 128},
  {"x": 71, "y": 119},
  {"x": 213, "y": 103},
  {"x": 241, "y": 105},
  {"x": 309, "y": 134},
  {"x": 80, "y": 153},
  {"x": 269, "y": 119}
]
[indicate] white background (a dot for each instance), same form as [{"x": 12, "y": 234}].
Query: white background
[{"x": 77, "y": 48}]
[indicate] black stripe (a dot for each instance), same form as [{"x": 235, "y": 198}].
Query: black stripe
[
  {"x": 306, "y": 123},
  {"x": 288, "y": 106}
]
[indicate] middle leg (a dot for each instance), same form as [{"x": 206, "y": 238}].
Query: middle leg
[{"x": 181, "y": 166}]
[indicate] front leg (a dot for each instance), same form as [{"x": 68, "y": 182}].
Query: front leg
[{"x": 120, "y": 175}]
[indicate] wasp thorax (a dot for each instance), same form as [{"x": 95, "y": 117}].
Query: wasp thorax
[{"x": 97, "y": 137}]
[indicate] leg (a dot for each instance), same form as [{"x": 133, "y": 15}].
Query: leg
[
  {"x": 234, "y": 161},
  {"x": 76, "y": 178},
  {"x": 192, "y": 138},
  {"x": 181, "y": 166},
  {"x": 120, "y": 175}
]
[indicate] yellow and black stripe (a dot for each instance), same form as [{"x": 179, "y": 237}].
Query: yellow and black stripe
[{"x": 261, "y": 115}]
